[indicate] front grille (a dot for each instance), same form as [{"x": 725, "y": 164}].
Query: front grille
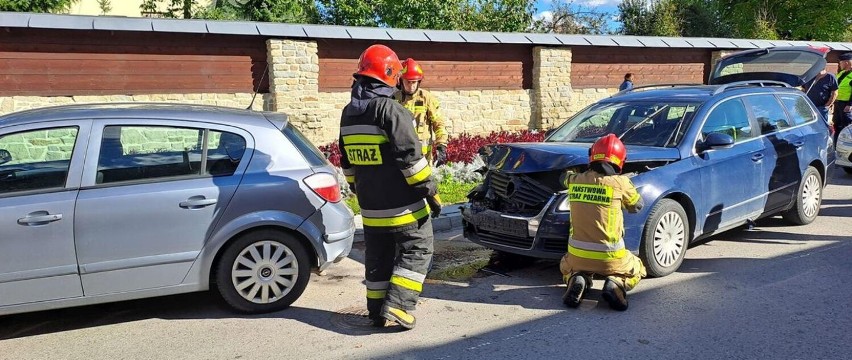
[
  {"x": 520, "y": 189},
  {"x": 555, "y": 245},
  {"x": 500, "y": 239}
]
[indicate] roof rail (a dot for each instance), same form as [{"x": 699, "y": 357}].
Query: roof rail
[
  {"x": 761, "y": 83},
  {"x": 647, "y": 87}
]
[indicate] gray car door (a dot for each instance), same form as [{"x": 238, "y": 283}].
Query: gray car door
[
  {"x": 149, "y": 200},
  {"x": 39, "y": 178}
]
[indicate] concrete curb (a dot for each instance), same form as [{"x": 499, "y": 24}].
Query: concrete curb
[{"x": 450, "y": 219}]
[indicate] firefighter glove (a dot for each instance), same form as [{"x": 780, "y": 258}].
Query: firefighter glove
[
  {"x": 434, "y": 205},
  {"x": 440, "y": 155}
]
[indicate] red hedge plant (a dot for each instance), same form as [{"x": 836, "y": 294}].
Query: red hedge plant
[{"x": 462, "y": 148}]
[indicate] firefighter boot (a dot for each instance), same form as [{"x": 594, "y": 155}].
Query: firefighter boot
[
  {"x": 614, "y": 295},
  {"x": 378, "y": 322},
  {"x": 577, "y": 285},
  {"x": 399, "y": 316}
]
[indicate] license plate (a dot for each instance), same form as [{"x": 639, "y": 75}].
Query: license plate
[{"x": 493, "y": 222}]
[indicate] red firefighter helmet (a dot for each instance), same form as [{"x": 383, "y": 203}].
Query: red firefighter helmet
[
  {"x": 381, "y": 63},
  {"x": 609, "y": 149},
  {"x": 411, "y": 70}
]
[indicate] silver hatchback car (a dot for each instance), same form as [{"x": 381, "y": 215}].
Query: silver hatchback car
[{"x": 111, "y": 202}]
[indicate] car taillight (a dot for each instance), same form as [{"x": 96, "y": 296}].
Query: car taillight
[{"x": 325, "y": 185}]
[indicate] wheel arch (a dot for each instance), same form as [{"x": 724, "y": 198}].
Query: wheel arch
[
  {"x": 820, "y": 168},
  {"x": 689, "y": 207},
  {"x": 211, "y": 273},
  {"x": 225, "y": 235}
]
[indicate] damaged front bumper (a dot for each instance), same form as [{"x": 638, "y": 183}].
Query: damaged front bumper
[{"x": 544, "y": 235}]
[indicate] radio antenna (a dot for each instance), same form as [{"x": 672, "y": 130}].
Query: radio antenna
[{"x": 257, "y": 88}]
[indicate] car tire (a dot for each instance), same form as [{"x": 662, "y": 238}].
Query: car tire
[
  {"x": 847, "y": 169},
  {"x": 262, "y": 271},
  {"x": 808, "y": 199},
  {"x": 665, "y": 238}
]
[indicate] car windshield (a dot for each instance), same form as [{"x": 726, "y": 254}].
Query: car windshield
[{"x": 660, "y": 124}]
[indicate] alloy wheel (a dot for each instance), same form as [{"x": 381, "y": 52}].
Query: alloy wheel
[
  {"x": 264, "y": 272},
  {"x": 811, "y": 196},
  {"x": 669, "y": 239}
]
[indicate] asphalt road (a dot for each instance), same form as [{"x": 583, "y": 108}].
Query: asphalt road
[{"x": 773, "y": 292}]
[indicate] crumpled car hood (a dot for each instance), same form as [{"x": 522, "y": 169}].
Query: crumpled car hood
[{"x": 535, "y": 157}]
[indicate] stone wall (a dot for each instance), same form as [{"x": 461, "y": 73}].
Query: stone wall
[
  {"x": 552, "y": 83},
  {"x": 295, "y": 90},
  {"x": 585, "y": 97},
  {"x": 294, "y": 85},
  {"x": 465, "y": 111}
]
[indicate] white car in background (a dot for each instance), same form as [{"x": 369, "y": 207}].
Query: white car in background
[{"x": 844, "y": 149}]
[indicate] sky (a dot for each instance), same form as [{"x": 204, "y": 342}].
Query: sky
[{"x": 542, "y": 7}]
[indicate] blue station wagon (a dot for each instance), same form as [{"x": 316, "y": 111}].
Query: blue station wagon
[
  {"x": 706, "y": 158},
  {"x": 112, "y": 202}
]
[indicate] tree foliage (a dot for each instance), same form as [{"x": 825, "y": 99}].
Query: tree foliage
[
  {"x": 827, "y": 20},
  {"x": 475, "y": 15},
  {"x": 571, "y": 18},
  {"x": 789, "y": 19},
  {"x": 41, "y": 6}
]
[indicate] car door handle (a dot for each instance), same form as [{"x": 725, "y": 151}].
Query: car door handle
[
  {"x": 196, "y": 202},
  {"x": 39, "y": 218},
  {"x": 798, "y": 144},
  {"x": 757, "y": 157}
]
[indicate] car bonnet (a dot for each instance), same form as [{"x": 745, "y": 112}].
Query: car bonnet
[{"x": 536, "y": 157}]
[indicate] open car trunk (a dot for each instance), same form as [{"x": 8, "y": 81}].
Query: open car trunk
[{"x": 793, "y": 65}]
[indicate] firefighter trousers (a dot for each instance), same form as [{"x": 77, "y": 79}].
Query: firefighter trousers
[
  {"x": 626, "y": 272},
  {"x": 396, "y": 264}
]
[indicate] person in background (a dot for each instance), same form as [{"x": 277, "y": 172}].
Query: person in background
[
  {"x": 628, "y": 82},
  {"x": 842, "y": 110},
  {"x": 425, "y": 107},
  {"x": 823, "y": 91}
]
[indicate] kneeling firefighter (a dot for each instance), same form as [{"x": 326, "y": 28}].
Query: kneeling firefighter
[
  {"x": 595, "y": 243},
  {"x": 383, "y": 162}
]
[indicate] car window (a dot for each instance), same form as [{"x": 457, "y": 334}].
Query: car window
[
  {"x": 731, "y": 118},
  {"x": 36, "y": 159},
  {"x": 225, "y": 150},
  {"x": 308, "y": 150},
  {"x": 798, "y": 109},
  {"x": 133, "y": 153},
  {"x": 768, "y": 112}
]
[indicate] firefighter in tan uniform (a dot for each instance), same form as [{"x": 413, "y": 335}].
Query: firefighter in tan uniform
[
  {"x": 424, "y": 106},
  {"x": 596, "y": 244}
]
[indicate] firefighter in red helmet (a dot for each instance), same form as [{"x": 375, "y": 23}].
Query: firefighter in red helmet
[
  {"x": 384, "y": 165},
  {"x": 426, "y": 110},
  {"x": 595, "y": 242}
]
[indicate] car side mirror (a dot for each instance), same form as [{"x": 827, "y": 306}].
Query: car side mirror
[
  {"x": 5, "y": 156},
  {"x": 717, "y": 141}
]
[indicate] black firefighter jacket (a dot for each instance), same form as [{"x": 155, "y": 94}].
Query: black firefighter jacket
[{"x": 381, "y": 156}]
